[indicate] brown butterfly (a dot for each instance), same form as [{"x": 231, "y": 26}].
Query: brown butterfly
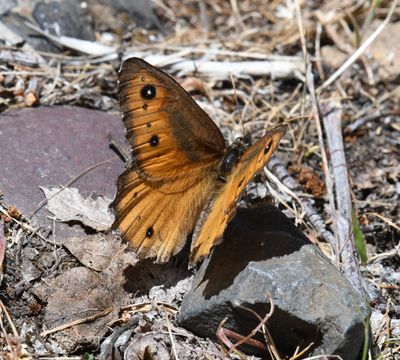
[{"x": 180, "y": 164}]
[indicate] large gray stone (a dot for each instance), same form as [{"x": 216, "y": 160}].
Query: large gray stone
[{"x": 263, "y": 254}]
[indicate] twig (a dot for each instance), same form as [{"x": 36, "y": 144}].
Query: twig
[
  {"x": 332, "y": 119},
  {"x": 328, "y": 179},
  {"x": 19, "y": 57},
  {"x": 77, "y": 322},
  {"x": 222, "y": 334},
  {"x": 387, "y": 221},
  {"x": 297, "y": 355},
  {"x": 3, "y": 246},
  {"x": 235, "y": 11},
  {"x": 277, "y": 68},
  {"x": 273, "y": 351},
  {"x": 83, "y": 46},
  {"x": 25, "y": 226}
]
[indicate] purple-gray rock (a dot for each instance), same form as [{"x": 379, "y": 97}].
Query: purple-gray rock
[
  {"x": 264, "y": 254},
  {"x": 51, "y": 146}
]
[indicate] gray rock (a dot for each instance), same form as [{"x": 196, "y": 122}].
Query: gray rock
[
  {"x": 263, "y": 254},
  {"x": 64, "y": 17},
  {"x": 51, "y": 146},
  {"x": 6, "y": 5}
]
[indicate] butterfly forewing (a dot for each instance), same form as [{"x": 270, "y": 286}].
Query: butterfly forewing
[{"x": 168, "y": 132}]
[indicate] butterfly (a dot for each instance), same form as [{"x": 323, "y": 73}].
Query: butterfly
[{"x": 180, "y": 167}]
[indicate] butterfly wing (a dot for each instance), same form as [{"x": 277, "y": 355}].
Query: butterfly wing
[
  {"x": 157, "y": 222},
  {"x": 222, "y": 208},
  {"x": 176, "y": 148},
  {"x": 168, "y": 132}
]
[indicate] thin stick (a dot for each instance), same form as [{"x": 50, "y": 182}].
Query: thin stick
[
  {"x": 26, "y": 227},
  {"x": 77, "y": 322},
  {"x": 222, "y": 334},
  {"x": 344, "y": 213},
  {"x": 328, "y": 179}
]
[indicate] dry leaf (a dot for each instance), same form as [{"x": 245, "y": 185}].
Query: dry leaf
[
  {"x": 68, "y": 205},
  {"x": 95, "y": 251}
]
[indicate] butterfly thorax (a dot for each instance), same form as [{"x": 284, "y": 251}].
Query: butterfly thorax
[{"x": 231, "y": 157}]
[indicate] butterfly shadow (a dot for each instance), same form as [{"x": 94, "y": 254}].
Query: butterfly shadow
[
  {"x": 255, "y": 234},
  {"x": 145, "y": 275}
]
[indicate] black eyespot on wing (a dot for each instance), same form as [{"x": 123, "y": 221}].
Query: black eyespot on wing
[
  {"x": 149, "y": 232},
  {"x": 148, "y": 125},
  {"x": 267, "y": 148},
  {"x": 148, "y": 92},
  {"x": 154, "y": 141},
  {"x": 143, "y": 78}
]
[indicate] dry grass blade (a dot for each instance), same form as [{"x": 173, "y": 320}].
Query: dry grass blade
[
  {"x": 69, "y": 183},
  {"x": 386, "y": 220},
  {"x": 171, "y": 338},
  {"x": 9, "y": 319},
  {"x": 309, "y": 209}
]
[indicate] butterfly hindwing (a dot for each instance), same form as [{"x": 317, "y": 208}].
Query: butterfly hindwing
[
  {"x": 157, "y": 224},
  {"x": 223, "y": 206}
]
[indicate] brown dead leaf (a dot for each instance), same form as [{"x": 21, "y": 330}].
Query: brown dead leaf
[
  {"x": 79, "y": 295},
  {"x": 97, "y": 251},
  {"x": 68, "y": 205}
]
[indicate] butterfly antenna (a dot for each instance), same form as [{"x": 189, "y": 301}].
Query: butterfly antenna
[{"x": 237, "y": 103}]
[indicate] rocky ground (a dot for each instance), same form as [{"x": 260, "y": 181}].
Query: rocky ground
[{"x": 70, "y": 289}]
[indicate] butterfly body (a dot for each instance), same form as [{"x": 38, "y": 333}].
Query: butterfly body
[
  {"x": 180, "y": 164},
  {"x": 232, "y": 156}
]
